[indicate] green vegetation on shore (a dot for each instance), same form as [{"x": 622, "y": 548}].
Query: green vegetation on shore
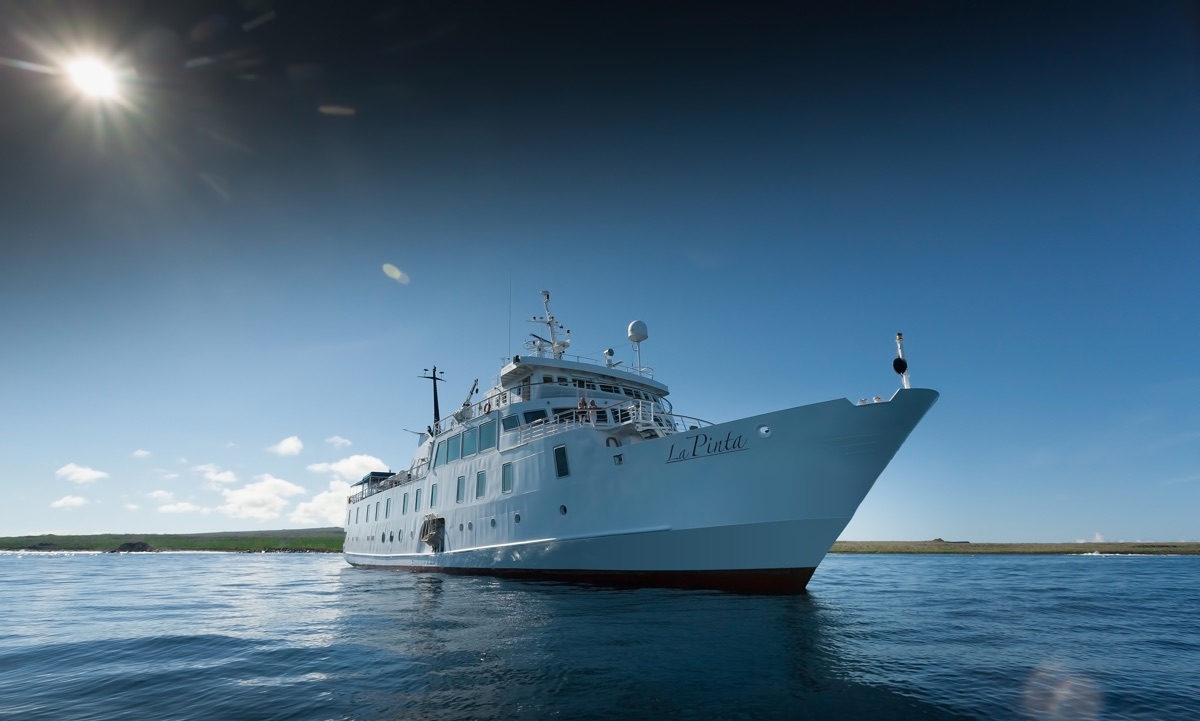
[
  {"x": 329, "y": 540},
  {"x": 962, "y": 547},
  {"x": 307, "y": 540}
]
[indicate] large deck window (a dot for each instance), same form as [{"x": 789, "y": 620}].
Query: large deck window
[
  {"x": 535, "y": 415},
  {"x": 470, "y": 442},
  {"x": 440, "y": 458},
  {"x": 511, "y": 423},
  {"x": 454, "y": 448}
]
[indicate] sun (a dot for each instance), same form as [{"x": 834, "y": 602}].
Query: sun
[{"x": 94, "y": 78}]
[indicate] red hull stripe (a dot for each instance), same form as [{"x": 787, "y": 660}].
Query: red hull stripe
[{"x": 757, "y": 581}]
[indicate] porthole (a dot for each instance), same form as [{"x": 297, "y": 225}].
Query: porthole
[
  {"x": 493, "y": 523},
  {"x": 383, "y": 538},
  {"x": 392, "y": 537},
  {"x": 562, "y": 510},
  {"x": 517, "y": 518},
  {"x": 460, "y": 527},
  {"x": 764, "y": 431},
  {"x": 470, "y": 526}
]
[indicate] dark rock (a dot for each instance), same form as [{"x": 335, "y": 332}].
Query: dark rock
[{"x": 133, "y": 547}]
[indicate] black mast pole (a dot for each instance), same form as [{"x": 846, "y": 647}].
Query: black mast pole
[{"x": 437, "y": 414}]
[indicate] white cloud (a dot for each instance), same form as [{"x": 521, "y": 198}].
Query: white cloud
[
  {"x": 327, "y": 508},
  {"x": 140, "y": 453},
  {"x": 1097, "y": 538},
  {"x": 80, "y": 474},
  {"x": 170, "y": 476},
  {"x": 338, "y": 441},
  {"x": 290, "y": 446},
  {"x": 132, "y": 507},
  {"x": 160, "y": 496},
  {"x": 214, "y": 473},
  {"x": 182, "y": 507},
  {"x": 262, "y": 500},
  {"x": 352, "y": 468},
  {"x": 70, "y": 502}
]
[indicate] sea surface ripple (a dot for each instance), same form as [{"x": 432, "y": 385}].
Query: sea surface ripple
[{"x": 281, "y": 636}]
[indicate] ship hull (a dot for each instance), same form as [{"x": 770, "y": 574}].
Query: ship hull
[{"x": 751, "y": 505}]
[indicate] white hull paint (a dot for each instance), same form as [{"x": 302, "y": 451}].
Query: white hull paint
[{"x": 735, "y": 505}]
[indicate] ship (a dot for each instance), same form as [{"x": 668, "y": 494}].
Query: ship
[{"x": 581, "y": 470}]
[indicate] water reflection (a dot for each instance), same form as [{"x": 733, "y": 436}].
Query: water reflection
[{"x": 453, "y": 647}]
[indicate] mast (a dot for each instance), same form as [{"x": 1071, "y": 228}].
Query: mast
[{"x": 437, "y": 414}]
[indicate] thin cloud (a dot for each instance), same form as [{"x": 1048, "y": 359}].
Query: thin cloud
[
  {"x": 170, "y": 476},
  {"x": 262, "y": 500},
  {"x": 290, "y": 446},
  {"x": 160, "y": 496},
  {"x": 351, "y": 468},
  {"x": 182, "y": 507},
  {"x": 69, "y": 502},
  {"x": 213, "y": 473},
  {"x": 141, "y": 453},
  {"x": 80, "y": 474},
  {"x": 338, "y": 441},
  {"x": 132, "y": 507}
]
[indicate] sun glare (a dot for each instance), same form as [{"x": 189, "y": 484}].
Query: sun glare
[{"x": 93, "y": 78}]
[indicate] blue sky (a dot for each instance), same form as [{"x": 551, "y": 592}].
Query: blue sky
[{"x": 199, "y": 336}]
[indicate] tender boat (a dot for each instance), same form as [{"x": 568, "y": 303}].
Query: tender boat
[{"x": 581, "y": 470}]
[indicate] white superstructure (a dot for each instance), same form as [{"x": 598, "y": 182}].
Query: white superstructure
[{"x": 576, "y": 470}]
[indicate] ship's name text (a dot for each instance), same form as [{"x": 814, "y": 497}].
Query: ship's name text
[{"x": 702, "y": 445}]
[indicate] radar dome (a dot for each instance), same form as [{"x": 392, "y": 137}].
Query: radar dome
[{"x": 637, "y": 332}]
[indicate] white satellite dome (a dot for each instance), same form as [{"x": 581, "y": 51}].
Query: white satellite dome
[{"x": 638, "y": 332}]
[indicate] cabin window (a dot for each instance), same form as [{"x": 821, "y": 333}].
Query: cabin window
[
  {"x": 376, "y": 510},
  {"x": 506, "y": 478},
  {"x": 433, "y": 495},
  {"x": 547, "y": 379},
  {"x": 510, "y": 422},
  {"x": 535, "y": 415},
  {"x": 404, "y": 505},
  {"x": 470, "y": 442},
  {"x": 608, "y": 389},
  {"x": 461, "y": 493},
  {"x": 417, "y": 500},
  {"x": 487, "y": 436},
  {"x": 387, "y": 509},
  {"x": 480, "y": 484},
  {"x": 562, "y": 380},
  {"x": 560, "y": 462},
  {"x": 356, "y": 512},
  {"x": 590, "y": 386},
  {"x": 628, "y": 392},
  {"x": 601, "y": 415},
  {"x": 579, "y": 383},
  {"x": 455, "y": 448},
  {"x": 347, "y": 516},
  {"x": 440, "y": 458}
]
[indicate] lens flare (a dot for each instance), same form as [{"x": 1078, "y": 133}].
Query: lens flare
[{"x": 395, "y": 273}]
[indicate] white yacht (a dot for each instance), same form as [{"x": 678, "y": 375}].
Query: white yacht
[{"x": 581, "y": 470}]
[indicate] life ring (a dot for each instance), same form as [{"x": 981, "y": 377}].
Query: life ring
[{"x": 487, "y": 407}]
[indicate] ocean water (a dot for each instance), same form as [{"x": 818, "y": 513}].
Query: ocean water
[{"x": 278, "y": 636}]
